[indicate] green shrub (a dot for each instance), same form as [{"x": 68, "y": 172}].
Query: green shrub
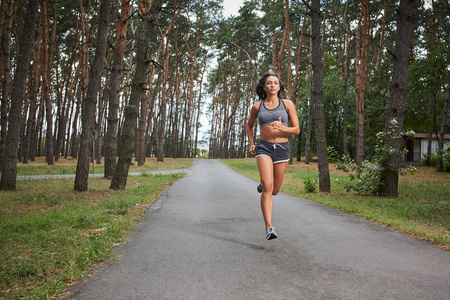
[
  {"x": 310, "y": 184},
  {"x": 366, "y": 178},
  {"x": 446, "y": 159},
  {"x": 429, "y": 160}
]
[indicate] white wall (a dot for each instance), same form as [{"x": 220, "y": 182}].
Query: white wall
[{"x": 434, "y": 146}]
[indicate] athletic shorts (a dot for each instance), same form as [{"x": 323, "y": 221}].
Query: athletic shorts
[{"x": 278, "y": 152}]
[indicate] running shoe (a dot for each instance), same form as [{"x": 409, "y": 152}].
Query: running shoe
[
  {"x": 270, "y": 233},
  {"x": 259, "y": 188}
]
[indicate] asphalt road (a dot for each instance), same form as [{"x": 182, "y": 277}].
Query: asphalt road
[{"x": 204, "y": 239}]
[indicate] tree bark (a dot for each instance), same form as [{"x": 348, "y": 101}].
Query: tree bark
[
  {"x": 114, "y": 90},
  {"x": 284, "y": 42},
  {"x": 70, "y": 103},
  {"x": 361, "y": 83},
  {"x": 173, "y": 144},
  {"x": 383, "y": 26},
  {"x": 197, "y": 119},
  {"x": 74, "y": 140},
  {"x": 440, "y": 166},
  {"x": 28, "y": 145},
  {"x": 46, "y": 84},
  {"x": 54, "y": 152},
  {"x": 89, "y": 103},
  {"x": 298, "y": 54},
  {"x": 9, "y": 171},
  {"x": 128, "y": 135},
  {"x": 6, "y": 78},
  {"x": 346, "y": 72},
  {"x": 310, "y": 105},
  {"x": 397, "y": 99},
  {"x": 324, "y": 175},
  {"x": 193, "y": 59},
  {"x": 161, "y": 131}
]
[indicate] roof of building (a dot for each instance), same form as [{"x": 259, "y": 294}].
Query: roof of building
[{"x": 425, "y": 136}]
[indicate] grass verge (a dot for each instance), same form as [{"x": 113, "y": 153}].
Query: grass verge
[
  {"x": 52, "y": 235},
  {"x": 69, "y": 166},
  {"x": 422, "y": 209}
]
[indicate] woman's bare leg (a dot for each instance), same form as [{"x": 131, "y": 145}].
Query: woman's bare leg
[
  {"x": 266, "y": 172},
  {"x": 278, "y": 176}
]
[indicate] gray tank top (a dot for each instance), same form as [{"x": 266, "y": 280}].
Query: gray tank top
[{"x": 267, "y": 116}]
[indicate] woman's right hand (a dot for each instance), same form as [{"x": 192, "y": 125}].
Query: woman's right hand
[{"x": 252, "y": 149}]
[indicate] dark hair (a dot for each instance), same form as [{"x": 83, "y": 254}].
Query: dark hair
[{"x": 260, "y": 87}]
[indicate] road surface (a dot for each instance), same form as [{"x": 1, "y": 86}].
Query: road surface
[{"x": 204, "y": 238}]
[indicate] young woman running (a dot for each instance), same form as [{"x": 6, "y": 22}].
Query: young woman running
[{"x": 272, "y": 152}]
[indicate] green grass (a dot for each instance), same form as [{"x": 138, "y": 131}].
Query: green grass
[
  {"x": 52, "y": 235},
  {"x": 422, "y": 209},
  {"x": 69, "y": 166}
]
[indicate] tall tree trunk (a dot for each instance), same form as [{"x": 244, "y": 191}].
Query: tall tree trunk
[
  {"x": 46, "y": 84},
  {"x": 193, "y": 59},
  {"x": 67, "y": 132},
  {"x": 51, "y": 47},
  {"x": 298, "y": 55},
  {"x": 199, "y": 103},
  {"x": 289, "y": 69},
  {"x": 160, "y": 133},
  {"x": 324, "y": 175},
  {"x": 346, "y": 77},
  {"x": 310, "y": 105},
  {"x": 322, "y": 44},
  {"x": 102, "y": 105},
  {"x": 440, "y": 166},
  {"x": 173, "y": 144},
  {"x": 284, "y": 43},
  {"x": 274, "y": 49},
  {"x": 6, "y": 78},
  {"x": 26, "y": 41},
  {"x": 383, "y": 26},
  {"x": 23, "y": 123},
  {"x": 145, "y": 101},
  {"x": 2, "y": 19},
  {"x": 397, "y": 99},
  {"x": 128, "y": 134},
  {"x": 357, "y": 70},
  {"x": 432, "y": 128},
  {"x": 114, "y": 90},
  {"x": 223, "y": 129},
  {"x": 360, "y": 94},
  {"x": 432, "y": 120},
  {"x": 37, "y": 138},
  {"x": 75, "y": 136},
  {"x": 325, "y": 13},
  {"x": 69, "y": 105},
  {"x": 84, "y": 78},
  {"x": 89, "y": 103},
  {"x": 31, "y": 123},
  {"x": 142, "y": 128}
]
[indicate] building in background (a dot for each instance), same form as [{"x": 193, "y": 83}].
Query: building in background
[{"x": 417, "y": 146}]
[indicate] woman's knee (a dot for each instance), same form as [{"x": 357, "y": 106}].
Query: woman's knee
[
  {"x": 276, "y": 188},
  {"x": 267, "y": 188}
]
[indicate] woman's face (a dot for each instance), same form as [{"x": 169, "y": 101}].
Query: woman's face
[{"x": 272, "y": 85}]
